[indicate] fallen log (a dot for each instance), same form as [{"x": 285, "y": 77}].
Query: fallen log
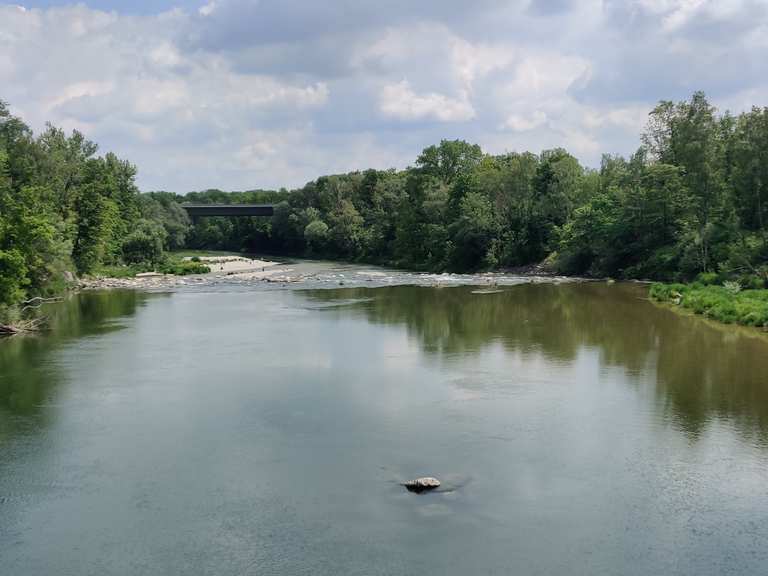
[
  {"x": 23, "y": 326},
  {"x": 7, "y": 330}
]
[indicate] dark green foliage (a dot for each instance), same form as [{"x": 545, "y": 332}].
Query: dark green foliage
[
  {"x": 96, "y": 217},
  {"x": 234, "y": 234},
  {"x": 473, "y": 234},
  {"x": 145, "y": 243},
  {"x": 165, "y": 209},
  {"x": 692, "y": 199},
  {"x": 691, "y": 202},
  {"x": 316, "y": 235},
  {"x": 449, "y": 161},
  {"x": 64, "y": 209}
]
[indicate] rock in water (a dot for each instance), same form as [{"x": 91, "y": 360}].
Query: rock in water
[{"x": 422, "y": 484}]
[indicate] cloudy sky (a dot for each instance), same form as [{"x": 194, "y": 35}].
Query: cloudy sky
[{"x": 241, "y": 94}]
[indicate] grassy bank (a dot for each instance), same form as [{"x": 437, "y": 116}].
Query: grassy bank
[
  {"x": 728, "y": 303},
  {"x": 172, "y": 264}
]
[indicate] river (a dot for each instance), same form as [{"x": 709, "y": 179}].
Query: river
[{"x": 233, "y": 429}]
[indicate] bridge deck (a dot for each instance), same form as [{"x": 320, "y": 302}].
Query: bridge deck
[{"x": 195, "y": 210}]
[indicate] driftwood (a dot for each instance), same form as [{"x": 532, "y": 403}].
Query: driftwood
[
  {"x": 23, "y": 326},
  {"x": 32, "y": 324},
  {"x": 6, "y": 330},
  {"x": 35, "y": 303}
]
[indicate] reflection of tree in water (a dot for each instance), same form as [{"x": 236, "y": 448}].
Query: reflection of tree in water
[
  {"x": 27, "y": 377},
  {"x": 702, "y": 371}
]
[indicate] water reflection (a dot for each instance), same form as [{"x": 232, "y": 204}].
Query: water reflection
[
  {"x": 27, "y": 373},
  {"x": 702, "y": 371},
  {"x": 219, "y": 432}
]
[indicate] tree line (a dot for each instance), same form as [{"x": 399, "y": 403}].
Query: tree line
[
  {"x": 64, "y": 210},
  {"x": 692, "y": 200}
]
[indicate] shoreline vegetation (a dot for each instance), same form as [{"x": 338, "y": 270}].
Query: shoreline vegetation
[
  {"x": 728, "y": 303},
  {"x": 690, "y": 203},
  {"x": 191, "y": 270}
]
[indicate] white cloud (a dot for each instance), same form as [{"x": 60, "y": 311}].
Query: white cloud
[
  {"x": 261, "y": 148},
  {"x": 401, "y": 102},
  {"x": 520, "y": 123},
  {"x": 545, "y": 75},
  {"x": 165, "y": 55},
  {"x": 207, "y": 9},
  {"x": 675, "y": 14},
  {"x": 268, "y": 93},
  {"x": 474, "y": 61},
  {"x": 86, "y": 88}
]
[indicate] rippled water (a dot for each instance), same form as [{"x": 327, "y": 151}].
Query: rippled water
[
  {"x": 228, "y": 429},
  {"x": 302, "y": 274}
]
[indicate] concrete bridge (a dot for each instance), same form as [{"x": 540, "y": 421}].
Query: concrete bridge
[{"x": 197, "y": 210}]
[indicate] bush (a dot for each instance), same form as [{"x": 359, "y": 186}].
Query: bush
[
  {"x": 144, "y": 244},
  {"x": 749, "y": 282},
  {"x": 316, "y": 234},
  {"x": 708, "y": 278},
  {"x": 184, "y": 267}
]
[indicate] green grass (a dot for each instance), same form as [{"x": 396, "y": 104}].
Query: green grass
[
  {"x": 121, "y": 271},
  {"x": 725, "y": 304}
]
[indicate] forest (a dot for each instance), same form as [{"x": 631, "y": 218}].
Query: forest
[{"x": 690, "y": 204}]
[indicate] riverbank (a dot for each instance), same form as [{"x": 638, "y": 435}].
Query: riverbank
[
  {"x": 232, "y": 269},
  {"x": 221, "y": 267},
  {"x": 728, "y": 304}
]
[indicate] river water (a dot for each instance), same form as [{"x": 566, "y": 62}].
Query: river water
[{"x": 251, "y": 429}]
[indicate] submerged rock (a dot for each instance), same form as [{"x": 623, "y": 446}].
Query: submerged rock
[{"x": 422, "y": 484}]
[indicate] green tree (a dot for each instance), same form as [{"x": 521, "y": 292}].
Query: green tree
[
  {"x": 750, "y": 170},
  {"x": 689, "y": 135},
  {"x": 145, "y": 243},
  {"x": 316, "y": 235},
  {"x": 474, "y": 234},
  {"x": 96, "y": 216},
  {"x": 449, "y": 159},
  {"x": 345, "y": 229}
]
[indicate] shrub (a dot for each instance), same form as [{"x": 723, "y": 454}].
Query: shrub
[
  {"x": 707, "y": 278},
  {"x": 144, "y": 244},
  {"x": 316, "y": 234},
  {"x": 184, "y": 267}
]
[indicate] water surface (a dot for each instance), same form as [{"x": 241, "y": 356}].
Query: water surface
[{"x": 232, "y": 430}]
